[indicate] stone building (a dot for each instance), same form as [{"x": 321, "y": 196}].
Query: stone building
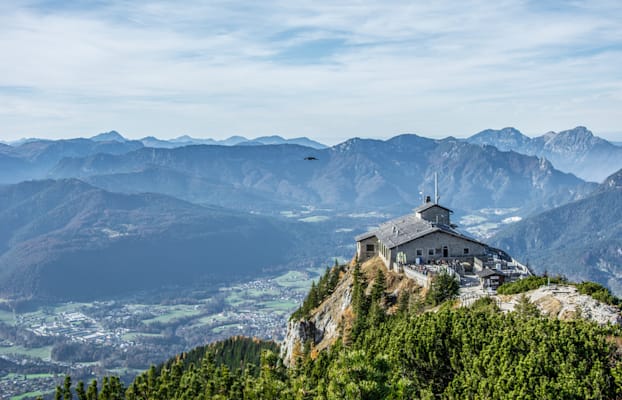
[{"x": 423, "y": 237}]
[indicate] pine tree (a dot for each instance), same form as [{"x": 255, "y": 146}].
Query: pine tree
[
  {"x": 58, "y": 394},
  {"x": 80, "y": 392},
  {"x": 525, "y": 308},
  {"x": 443, "y": 287},
  {"x": 92, "y": 392},
  {"x": 67, "y": 388},
  {"x": 377, "y": 291},
  {"x": 403, "y": 303},
  {"x": 334, "y": 278}
]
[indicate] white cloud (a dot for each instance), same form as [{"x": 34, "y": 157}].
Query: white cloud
[{"x": 220, "y": 69}]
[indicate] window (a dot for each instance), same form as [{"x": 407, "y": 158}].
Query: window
[
  {"x": 430, "y": 252},
  {"x": 370, "y": 247},
  {"x": 465, "y": 251},
  {"x": 419, "y": 252}
]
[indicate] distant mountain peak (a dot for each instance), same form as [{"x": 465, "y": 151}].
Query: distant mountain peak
[
  {"x": 508, "y": 138},
  {"x": 579, "y": 139},
  {"x": 270, "y": 137},
  {"x": 109, "y": 137},
  {"x": 510, "y": 130}
]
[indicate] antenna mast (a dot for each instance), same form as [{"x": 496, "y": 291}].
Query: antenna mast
[{"x": 436, "y": 188}]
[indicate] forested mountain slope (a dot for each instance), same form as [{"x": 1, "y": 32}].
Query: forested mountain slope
[
  {"x": 66, "y": 239},
  {"x": 582, "y": 240}
]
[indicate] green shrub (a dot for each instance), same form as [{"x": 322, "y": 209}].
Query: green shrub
[
  {"x": 598, "y": 292},
  {"x": 527, "y": 284}
]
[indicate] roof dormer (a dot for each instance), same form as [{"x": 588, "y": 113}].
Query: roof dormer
[{"x": 434, "y": 213}]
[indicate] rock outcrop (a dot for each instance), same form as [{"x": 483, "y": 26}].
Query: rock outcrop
[
  {"x": 334, "y": 316},
  {"x": 565, "y": 302}
]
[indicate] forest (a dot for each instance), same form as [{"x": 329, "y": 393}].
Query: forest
[{"x": 422, "y": 348}]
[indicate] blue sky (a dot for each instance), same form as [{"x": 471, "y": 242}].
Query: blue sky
[{"x": 308, "y": 68}]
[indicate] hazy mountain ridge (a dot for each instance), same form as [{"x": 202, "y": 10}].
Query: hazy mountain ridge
[
  {"x": 357, "y": 174},
  {"x": 33, "y": 159},
  {"x": 186, "y": 140},
  {"x": 58, "y": 236},
  {"x": 575, "y": 150},
  {"x": 580, "y": 239}
]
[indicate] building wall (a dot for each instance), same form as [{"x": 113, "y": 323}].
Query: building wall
[
  {"x": 361, "y": 248},
  {"x": 436, "y": 242},
  {"x": 432, "y": 213}
]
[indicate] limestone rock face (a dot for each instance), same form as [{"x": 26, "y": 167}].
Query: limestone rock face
[
  {"x": 333, "y": 318},
  {"x": 322, "y": 328},
  {"x": 565, "y": 302}
]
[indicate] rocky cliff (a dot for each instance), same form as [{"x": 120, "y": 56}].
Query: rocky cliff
[{"x": 334, "y": 316}]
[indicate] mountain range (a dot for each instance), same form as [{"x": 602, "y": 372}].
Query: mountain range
[
  {"x": 65, "y": 239},
  {"x": 185, "y": 140},
  {"x": 359, "y": 174},
  {"x": 33, "y": 159},
  {"x": 576, "y": 150},
  {"x": 581, "y": 239}
]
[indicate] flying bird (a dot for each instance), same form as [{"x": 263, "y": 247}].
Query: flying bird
[{"x": 310, "y": 158}]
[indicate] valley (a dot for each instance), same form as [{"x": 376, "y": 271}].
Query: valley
[{"x": 124, "y": 336}]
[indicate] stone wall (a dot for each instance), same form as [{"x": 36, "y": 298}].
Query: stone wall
[
  {"x": 436, "y": 242},
  {"x": 361, "y": 249},
  {"x": 435, "y": 214}
]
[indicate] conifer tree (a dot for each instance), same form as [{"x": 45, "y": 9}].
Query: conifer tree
[
  {"x": 525, "y": 308},
  {"x": 91, "y": 392},
  {"x": 403, "y": 303},
  {"x": 80, "y": 392},
  {"x": 67, "y": 388},
  {"x": 443, "y": 287},
  {"x": 377, "y": 291}
]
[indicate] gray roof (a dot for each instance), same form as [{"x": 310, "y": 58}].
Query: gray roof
[
  {"x": 365, "y": 235},
  {"x": 485, "y": 273},
  {"x": 429, "y": 205},
  {"x": 407, "y": 228}
]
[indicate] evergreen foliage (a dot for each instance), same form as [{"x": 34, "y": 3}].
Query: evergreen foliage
[
  {"x": 319, "y": 291},
  {"x": 593, "y": 289},
  {"x": 443, "y": 287},
  {"x": 235, "y": 352},
  {"x": 598, "y": 292},
  {"x": 467, "y": 353},
  {"x": 527, "y": 284}
]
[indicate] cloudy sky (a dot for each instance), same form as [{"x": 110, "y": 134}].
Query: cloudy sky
[{"x": 308, "y": 68}]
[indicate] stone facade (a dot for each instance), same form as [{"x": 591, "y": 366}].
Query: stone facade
[
  {"x": 424, "y": 237},
  {"x": 434, "y": 246},
  {"x": 434, "y": 213},
  {"x": 367, "y": 248}
]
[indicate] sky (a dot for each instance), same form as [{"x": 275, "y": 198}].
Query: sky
[{"x": 323, "y": 69}]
